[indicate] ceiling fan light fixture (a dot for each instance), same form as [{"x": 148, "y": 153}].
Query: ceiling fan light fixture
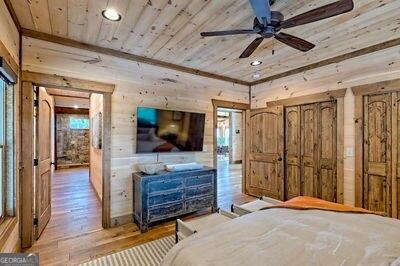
[
  {"x": 111, "y": 14},
  {"x": 256, "y": 63}
]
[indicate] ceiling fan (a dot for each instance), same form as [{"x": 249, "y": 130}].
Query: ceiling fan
[{"x": 269, "y": 23}]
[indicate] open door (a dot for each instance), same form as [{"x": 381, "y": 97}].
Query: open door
[
  {"x": 44, "y": 137},
  {"x": 265, "y": 149}
]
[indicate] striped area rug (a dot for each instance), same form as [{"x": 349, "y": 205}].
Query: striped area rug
[{"x": 149, "y": 254}]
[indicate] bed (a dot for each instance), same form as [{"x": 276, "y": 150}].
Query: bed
[{"x": 284, "y": 236}]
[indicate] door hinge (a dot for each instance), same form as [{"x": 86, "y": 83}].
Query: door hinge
[
  {"x": 35, "y": 162},
  {"x": 35, "y": 221},
  {"x": 36, "y": 103}
]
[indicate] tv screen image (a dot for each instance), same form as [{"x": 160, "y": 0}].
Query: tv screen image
[{"x": 169, "y": 131}]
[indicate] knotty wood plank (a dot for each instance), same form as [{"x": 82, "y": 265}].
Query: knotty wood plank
[
  {"x": 340, "y": 149},
  {"x": 127, "y": 56},
  {"x": 312, "y": 98},
  {"x": 333, "y": 60},
  {"x": 63, "y": 82}
]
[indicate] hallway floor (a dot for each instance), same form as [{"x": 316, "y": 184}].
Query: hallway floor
[{"x": 74, "y": 233}]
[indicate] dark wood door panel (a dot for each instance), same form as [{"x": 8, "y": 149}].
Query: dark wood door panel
[
  {"x": 292, "y": 152},
  {"x": 377, "y": 195},
  {"x": 265, "y": 169}
]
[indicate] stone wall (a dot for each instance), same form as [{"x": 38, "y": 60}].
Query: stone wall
[{"x": 72, "y": 144}]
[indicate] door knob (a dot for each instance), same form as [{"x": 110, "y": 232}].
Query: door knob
[{"x": 279, "y": 159}]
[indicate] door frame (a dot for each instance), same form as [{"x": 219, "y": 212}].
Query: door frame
[
  {"x": 359, "y": 93},
  {"x": 237, "y": 106},
  {"x": 29, "y": 81},
  {"x": 332, "y": 95}
]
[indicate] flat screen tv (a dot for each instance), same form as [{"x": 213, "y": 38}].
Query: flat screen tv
[{"x": 169, "y": 131}]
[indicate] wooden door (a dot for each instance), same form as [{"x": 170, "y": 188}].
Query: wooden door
[
  {"x": 309, "y": 150},
  {"x": 264, "y": 146},
  {"x": 44, "y": 155},
  {"x": 396, "y": 153},
  {"x": 327, "y": 159},
  {"x": 292, "y": 152},
  {"x": 377, "y": 153}
]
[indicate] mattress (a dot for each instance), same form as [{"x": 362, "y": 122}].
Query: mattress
[{"x": 293, "y": 237}]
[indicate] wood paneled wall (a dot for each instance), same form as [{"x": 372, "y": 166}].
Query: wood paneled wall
[
  {"x": 378, "y": 66},
  {"x": 9, "y": 39},
  {"x": 236, "y": 137},
  {"x": 9, "y": 34},
  {"x": 136, "y": 85},
  {"x": 96, "y": 155}
]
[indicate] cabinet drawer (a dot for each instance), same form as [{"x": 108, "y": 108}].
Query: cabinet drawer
[
  {"x": 162, "y": 185},
  {"x": 199, "y": 180},
  {"x": 165, "y": 211},
  {"x": 199, "y": 191},
  {"x": 199, "y": 203},
  {"x": 165, "y": 198}
]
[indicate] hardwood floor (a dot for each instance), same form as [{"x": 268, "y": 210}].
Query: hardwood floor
[{"x": 74, "y": 233}]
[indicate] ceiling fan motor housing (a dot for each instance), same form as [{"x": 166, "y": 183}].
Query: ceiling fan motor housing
[{"x": 272, "y": 28}]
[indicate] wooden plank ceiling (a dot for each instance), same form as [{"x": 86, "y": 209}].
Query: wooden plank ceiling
[{"x": 169, "y": 30}]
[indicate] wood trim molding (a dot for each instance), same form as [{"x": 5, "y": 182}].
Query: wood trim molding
[
  {"x": 27, "y": 172},
  {"x": 359, "y": 93},
  {"x": 127, "y": 56},
  {"x": 311, "y": 98},
  {"x": 232, "y": 105},
  {"x": 333, "y": 60},
  {"x": 340, "y": 150},
  {"x": 377, "y": 88},
  {"x": 69, "y": 96},
  {"x": 64, "y": 82},
  {"x": 72, "y": 111},
  {"x": 124, "y": 219},
  {"x": 106, "y": 145}
]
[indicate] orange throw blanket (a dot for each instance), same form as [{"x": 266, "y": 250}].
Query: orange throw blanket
[{"x": 309, "y": 203}]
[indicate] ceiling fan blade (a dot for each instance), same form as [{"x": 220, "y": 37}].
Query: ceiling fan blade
[
  {"x": 262, "y": 9},
  {"x": 227, "y": 32},
  {"x": 294, "y": 42},
  {"x": 320, "y": 13},
  {"x": 252, "y": 47}
]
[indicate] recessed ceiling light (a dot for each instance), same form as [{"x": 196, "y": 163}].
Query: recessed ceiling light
[
  {"x": 256, "y": 76},
  {"x": 256, "y": 63},
  {"x": 76, "y": 106},
  {"x": 111, "y": 14}
]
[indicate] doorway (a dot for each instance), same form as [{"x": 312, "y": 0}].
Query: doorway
[
  {"x": 230, "y": 128},
  {"x": 39, "y": 108},
  {"x": 229, "y": 143},
  {"x": 75, "y": 180}
]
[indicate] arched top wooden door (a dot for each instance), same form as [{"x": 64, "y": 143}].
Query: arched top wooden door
[
  {"x": 264, "y": 146},
  {"x": 44, "y": 152}
]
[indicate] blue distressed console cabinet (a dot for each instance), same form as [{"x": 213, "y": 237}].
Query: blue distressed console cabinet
[{"x": 171, "y": 194}]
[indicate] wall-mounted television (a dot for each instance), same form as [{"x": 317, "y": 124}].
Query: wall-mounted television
[{"x": 169, "y": 131}]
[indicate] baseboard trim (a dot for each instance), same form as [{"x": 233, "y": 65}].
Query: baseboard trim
[
  {"x": 120, "y": 220},
  {"x": 67, "y": 166}
]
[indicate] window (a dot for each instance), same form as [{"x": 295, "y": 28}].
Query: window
[
  {"x": 2, "y": 142},
  {"x": 78, "y": 123},
  {"x": 7, "y": 151}
]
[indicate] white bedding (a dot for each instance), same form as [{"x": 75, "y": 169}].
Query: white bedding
[{"x": 292, "y": 237}]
